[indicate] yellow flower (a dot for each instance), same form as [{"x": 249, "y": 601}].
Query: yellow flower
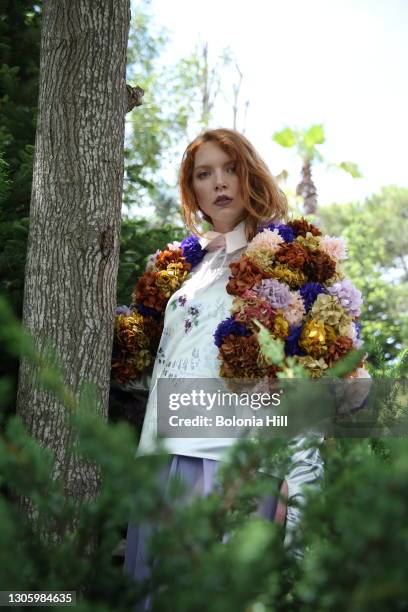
[
  {"x": 142, "y": 359},
  {"x": 168, "y": 281},
  {"x": 313, "y": 338},
  {"x": 327, "y": 309},
  {"x": 129, "y": 331},
  {"x": 294, "y": 278},
  {"x": 262, "y": 258},
  {"x": 280, "y": 327},
  {"x": 310, "y": 242},
  {"x": 315, "y": 367}
]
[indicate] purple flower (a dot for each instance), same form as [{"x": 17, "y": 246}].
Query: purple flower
[
  {"x": 357, "y": 325},
  {"x": 193, "y": 310},
  {"x": 348, "y": 295},
  {"x": 229, "y": 326},
  {"x": 123, "y": 310},
  {"x": 187, "y": 325},
  {"x": 148, "y": 312},
  {"x": 284, "y": 230},
  {"x": 192, "y": 250},
  {"x": 182, "y": 300},
  {"x": 292, "y": 341},
  {"x": 277, "y": 294},
  {"x": 309, "y": 293}
]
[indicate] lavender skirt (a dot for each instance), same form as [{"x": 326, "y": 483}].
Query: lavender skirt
[{"x": 199, "y": 477}]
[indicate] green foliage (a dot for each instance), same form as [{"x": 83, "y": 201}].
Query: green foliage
[
  {"x": 376, "y": 232},
  {"x": 351, "y": 559}
]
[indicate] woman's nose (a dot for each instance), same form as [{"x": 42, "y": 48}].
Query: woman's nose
[{"x": 220, "y": 180}]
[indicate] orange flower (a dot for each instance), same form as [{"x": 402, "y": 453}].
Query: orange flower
[
  {"x": 319, "y": 267},
  {"x": 293, "y": 255},
  {"x": 240, "y": 356},
  {"x": 338, "y": 349},
  {"x": 244, "y": 275},
  {"x": 165, "y": 258},
  {"x": 147, "y": 293},
  {"x": 301, "y": 227}
]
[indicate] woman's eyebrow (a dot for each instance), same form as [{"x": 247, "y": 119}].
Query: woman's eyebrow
[{"x": 210, "y": 166}]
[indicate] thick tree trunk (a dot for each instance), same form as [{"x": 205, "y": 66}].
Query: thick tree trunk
[{"x": 73, "y": 250}]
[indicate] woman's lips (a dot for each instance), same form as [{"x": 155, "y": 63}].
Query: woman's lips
[{"x": 223, "y": 202}]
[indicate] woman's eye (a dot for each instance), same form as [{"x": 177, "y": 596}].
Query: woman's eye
[
  {"x": 231, "y": 168},
  {"x": 202, "y": 174}
]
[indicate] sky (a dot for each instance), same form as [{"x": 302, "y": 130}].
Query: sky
[{"x": 343, "y": 63}]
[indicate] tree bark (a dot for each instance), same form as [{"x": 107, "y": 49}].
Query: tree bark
[{"x": 73, "y": 247}]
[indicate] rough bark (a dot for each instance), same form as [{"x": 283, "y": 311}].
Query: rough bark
[{"x": 73, "y": 249}]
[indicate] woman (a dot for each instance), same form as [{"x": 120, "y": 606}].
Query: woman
[{"x": 224, "y": 181}]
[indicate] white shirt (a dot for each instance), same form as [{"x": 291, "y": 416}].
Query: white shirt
[{"x": 187, "y": 348}]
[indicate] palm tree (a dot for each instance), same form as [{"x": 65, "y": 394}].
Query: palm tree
[{"x": 306, "y": 142}]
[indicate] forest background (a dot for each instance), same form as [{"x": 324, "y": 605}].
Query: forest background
[{"x": 180, "y": 99}]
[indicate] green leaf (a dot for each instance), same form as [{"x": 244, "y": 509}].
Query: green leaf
[
  {"x": 286, "y": 137},
  {"x": 314, "y": 135},
  {"x": 351, "y": 168}
]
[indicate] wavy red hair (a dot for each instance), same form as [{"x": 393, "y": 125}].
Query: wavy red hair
[{"x": 263, "y": 199}]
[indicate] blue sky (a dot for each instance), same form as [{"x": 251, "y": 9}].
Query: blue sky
[{"x": 340, "y": 63}]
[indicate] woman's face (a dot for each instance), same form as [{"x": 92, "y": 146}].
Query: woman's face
[{"x": 215, "y": 178}]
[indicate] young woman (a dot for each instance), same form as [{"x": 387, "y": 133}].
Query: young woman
[{"x": 224, "y": 181}]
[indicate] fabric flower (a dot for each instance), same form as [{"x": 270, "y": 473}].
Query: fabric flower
[
  {"x": 262, "y": 258},
  {"x": 123, "y": 310},
  {"x": 313, "y": 338},
  {"x": 130, "y": 333},
  {"x": 294, "y": 278},
  {"x": 348, "y": 295},
  {"x": 338, "y": 349},
  {"x": 244, "y": 276},
  {"x": 168, "y": 281},
  {"x": 315, "y": 367},
  {"x": 229, "y": 327},
  {"x": 284, "y": 230},
  {"x": 147, "y": 293},
  {"x": 309, "y": 293},
  {"x": 167, "y": 257},
  {"x": 174, "y": 246},
  {"x": 334, "y": 247},
  {"x": 125, "y": 369},
  {"x": 309, "y": 241},
  {"x": 241, "y": 358},
  {"x": 300, "y": 227},
  {"x": 319, "y": 267},
  {"x": 192, "y": 250},
  {"x": 245, "y": 311},
  {"x": 150, "y": 262},
  {"x": 280, "y": 327},
  {"x": 327, "y": 309},
  {"x": 277, "y": 294},
  {"x": 351, "y": 332},
  {"x": 144, "y": 310},
  {"x": 267, "y": 239},
  {"x": 294, "y": 255},
  {"x": 292, "y": 341},
  {"x": 295, "y": 311}
]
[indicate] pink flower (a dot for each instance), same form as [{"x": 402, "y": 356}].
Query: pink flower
[
  {"x": 267, "y": 239},
  {"x": 295, "y": 311},
  {"x": 151, "y": 261},
  {"x": 333, "y": 247}
]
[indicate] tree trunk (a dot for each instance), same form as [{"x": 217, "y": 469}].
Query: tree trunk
[{"x": 73, "y": 248}]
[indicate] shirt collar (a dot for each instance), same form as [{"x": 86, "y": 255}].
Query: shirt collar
[{"x": 234, "y": 240}]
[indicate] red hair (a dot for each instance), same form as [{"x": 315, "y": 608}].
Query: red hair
[{"x": 264, "y": 201}]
